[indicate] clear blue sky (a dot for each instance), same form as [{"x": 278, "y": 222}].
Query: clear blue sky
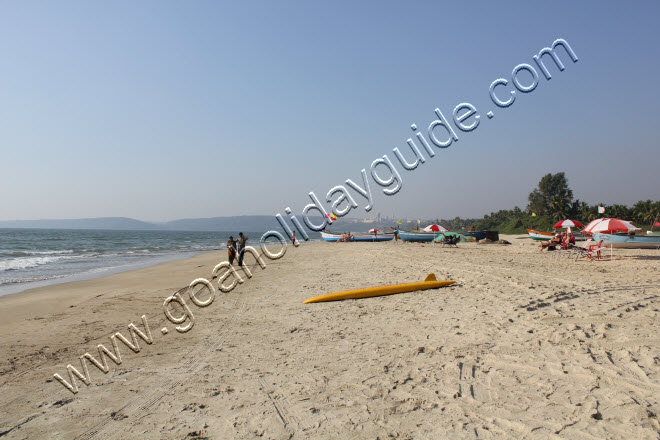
[{"x": 164, "y": 110}]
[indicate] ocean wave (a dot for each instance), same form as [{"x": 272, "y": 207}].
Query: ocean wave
[
  {"x": 27, "y": 253},
  {"x": 9, "y": 280},
  {"x": 206, "y": 247},
  {"x": 27, "y": 262}
]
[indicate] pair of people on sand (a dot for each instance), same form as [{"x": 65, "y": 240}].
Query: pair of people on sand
[
  {"x": 560, "y": 239},
  {"x": 346, "y": 237},
  {"x": 236, "y": 248}
]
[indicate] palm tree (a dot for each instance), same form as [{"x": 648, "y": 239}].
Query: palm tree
[
  {"x": 644, "y": 212},
  {"x": 619, "y": 211}
]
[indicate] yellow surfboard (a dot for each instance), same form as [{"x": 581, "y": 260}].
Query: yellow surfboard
[{"x": 429, "y": 283}]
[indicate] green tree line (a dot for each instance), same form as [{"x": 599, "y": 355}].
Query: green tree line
[{"x": 551, "y": 201}]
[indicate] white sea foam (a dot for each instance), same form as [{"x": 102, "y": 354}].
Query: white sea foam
[
  {"x": 14, "y": 280},
  {"x": 27, "y": 253},
  {"x": 26, "y": 262}
]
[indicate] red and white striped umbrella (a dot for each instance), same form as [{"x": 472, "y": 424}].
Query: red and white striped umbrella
[
  {"x": 568, "y": 224},
  {"x": 373, "y": 231},
  {"x": 609, "y": 226},
  {"x": 435, "y": 228}
]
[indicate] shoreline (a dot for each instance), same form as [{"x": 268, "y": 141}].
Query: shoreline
[
  {"x": 108, "y": 272},
  {"x": 16, "y": 288}
]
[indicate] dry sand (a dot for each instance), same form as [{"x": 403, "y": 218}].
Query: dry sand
[{"x": 523, "y": 346}]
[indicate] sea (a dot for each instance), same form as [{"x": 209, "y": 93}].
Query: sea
[{"x": 38, "y": 257}]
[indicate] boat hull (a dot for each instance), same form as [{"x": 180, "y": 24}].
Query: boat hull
[
  {"x": 546, "y": 236},
  {"x": 372, "y": 238},
  {"x": 418, "y": 237},
  {"x": 539, "y": 235},
  {"x": 330, "y": 237},
  {"x": 629, "y": 241}
]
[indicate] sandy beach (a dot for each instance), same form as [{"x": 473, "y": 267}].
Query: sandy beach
[{"x": 524, "y": 345}]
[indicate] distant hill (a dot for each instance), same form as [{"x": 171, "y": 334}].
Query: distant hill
[
  {"x": 121, "y": 223},
  {"x": 237, "y": 223}
]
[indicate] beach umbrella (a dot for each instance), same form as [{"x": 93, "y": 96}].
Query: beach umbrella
[
  {"x": 373, "y": 231},
  {"x": 435, "y": 228},
  {"x": 568, "y": 224},
  {"x": 609, "y": 226}
]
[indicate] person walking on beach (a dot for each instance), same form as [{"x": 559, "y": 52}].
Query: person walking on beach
[
  {"x": 240, "y": 247},
  {"x": 231, "y": 249},
  {"x": 293, "y": 238}
]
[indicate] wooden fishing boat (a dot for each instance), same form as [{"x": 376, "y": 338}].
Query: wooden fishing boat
[
  {"x": 373, "y": 237},
  {"x": 540, "y": 235},
  {"x": 629, "y": 241},
  {"x": 547, "y": 236},
  {"x": 330, "y": 237},
  {"x": 418, "y": 237}
]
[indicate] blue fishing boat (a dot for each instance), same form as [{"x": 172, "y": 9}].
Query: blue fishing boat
[
  {"x": 373, "y": 237},
  {"x": 629, "y": 241},
  {"x": 418, "y": 237}
]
